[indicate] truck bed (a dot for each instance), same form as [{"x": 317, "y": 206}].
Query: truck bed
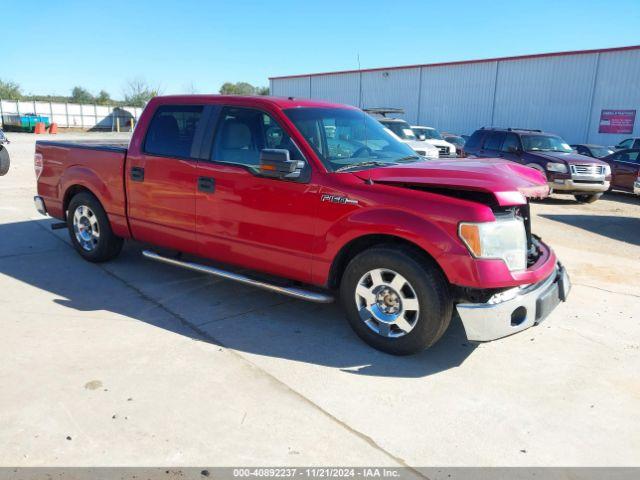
[
  {"x": 97, "y": 165},
  {"x": 110, "y": 145}
]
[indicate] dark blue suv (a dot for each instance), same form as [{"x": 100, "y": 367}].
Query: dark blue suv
[{"x": 567, "y": 172}]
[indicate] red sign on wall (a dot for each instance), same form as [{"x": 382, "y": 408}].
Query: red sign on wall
[{"x": 617, "y": 121}]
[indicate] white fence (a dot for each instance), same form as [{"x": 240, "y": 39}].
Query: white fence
[{"x": 75, "y": 115}]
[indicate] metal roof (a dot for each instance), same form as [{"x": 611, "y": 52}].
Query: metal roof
[{"x": 464, "y": 62}]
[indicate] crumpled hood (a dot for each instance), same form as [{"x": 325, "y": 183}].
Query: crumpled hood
[
  {"x": 570, "y": 158},
  {"x": 509, "y": 182}
]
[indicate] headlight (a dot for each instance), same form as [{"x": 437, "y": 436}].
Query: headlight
[
  {"x": 557, "y": 167},
  {"x": 607, "y": 170},
  {"x": 504, "y": 239}
]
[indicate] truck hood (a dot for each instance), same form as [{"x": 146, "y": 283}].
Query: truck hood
[
  {"x": 569, "y": 158},
  {"x": 509, "y": 182}
]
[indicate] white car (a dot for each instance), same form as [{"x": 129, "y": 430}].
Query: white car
[
  {"x": 432, "y": 136},
  {"x": 402, "y": 131}
]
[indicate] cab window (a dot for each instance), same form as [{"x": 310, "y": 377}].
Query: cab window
[
  {"x": 243, "y": 132},
  {"x": 511, "y": 143},
  {"x": 172, "y": 131}
]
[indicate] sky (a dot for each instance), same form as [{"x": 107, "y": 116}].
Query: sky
[{"x": 193, "y": 46}]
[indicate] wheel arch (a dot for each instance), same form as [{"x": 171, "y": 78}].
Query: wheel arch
[{"x": 359, "y": 244}]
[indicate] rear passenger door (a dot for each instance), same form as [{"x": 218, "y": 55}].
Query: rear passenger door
[{"x": 162, "y": 178}]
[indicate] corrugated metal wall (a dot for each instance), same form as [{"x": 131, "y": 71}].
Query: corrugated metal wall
[{"x": 563, "y": 94}]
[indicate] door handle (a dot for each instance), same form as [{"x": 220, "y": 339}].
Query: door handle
[
  {"x": 206, "y": 184},
  {"x": 137, "y": 174}
]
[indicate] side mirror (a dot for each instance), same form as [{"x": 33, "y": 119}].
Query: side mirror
[
  {"x": 513, "y": 149},
  {"x": 422, "y": 137},
  {"x": 275, "y": 163}
]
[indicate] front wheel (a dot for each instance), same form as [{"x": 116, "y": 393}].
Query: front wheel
[
  {"x": 90, "y": 230},
  {"x": 395, "y": 300},
  {"x": 587, "y": 197}
]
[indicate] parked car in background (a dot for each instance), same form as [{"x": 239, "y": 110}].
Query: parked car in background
[
  {"x": 4, "y": 154},
  {"x": 456, "y": 140},
  {"x": 253, "y": 182},
  {"x": 567, "y": 172},
  {"x": 402, "y": 131},
  {"x": 590, "y": 150},
  {"x": 633, "y": 142},
  {"x": 625, "y": 170},
  {"x": 432, "y": 136}
]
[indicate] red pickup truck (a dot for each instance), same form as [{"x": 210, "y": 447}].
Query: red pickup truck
[{"x": 321, "y": 199}]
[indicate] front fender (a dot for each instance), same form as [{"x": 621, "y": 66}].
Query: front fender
[{"x": 431, "y": 237}]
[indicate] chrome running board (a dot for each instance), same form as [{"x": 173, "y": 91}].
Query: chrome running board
[{"x": 216, "y": 272}]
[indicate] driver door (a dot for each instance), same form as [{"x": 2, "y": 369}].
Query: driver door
[{"x": 246, "y": 219}]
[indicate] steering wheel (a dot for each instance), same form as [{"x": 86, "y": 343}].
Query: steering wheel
[{"x": 358, "y": 153}]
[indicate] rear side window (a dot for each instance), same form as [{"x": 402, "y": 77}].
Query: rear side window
[
  {"x": 474, "y": 140},
  {"x": 493, "y": 140},
  {"x": 172, "y": 131}
]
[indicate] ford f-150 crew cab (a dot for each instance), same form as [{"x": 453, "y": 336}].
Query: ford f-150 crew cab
[{"x": 321, "y": 201}]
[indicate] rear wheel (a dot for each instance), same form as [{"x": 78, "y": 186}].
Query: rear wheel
[
  {"x": 90, "y": 230},
  {"x": 587, "y": 197},
  {"x": 396, "y": 301}
]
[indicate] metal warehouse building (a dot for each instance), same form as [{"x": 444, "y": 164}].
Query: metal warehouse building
[{"x": 585, "y": 96}]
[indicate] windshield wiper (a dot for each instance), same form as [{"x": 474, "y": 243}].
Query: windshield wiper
[
  {"x": 409, "y": 157},
  {"x": 368, "y": 163}
]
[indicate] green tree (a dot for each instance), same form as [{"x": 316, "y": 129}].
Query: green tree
[
  {"x": 104, "y": 98},
  {"x": 81, "y": 95},
  {"x": 137, "y": 93},
  {"x": 262, "y": 90},
  {"x": 239, "y": 88},
  {"x": 10, "y": 90}
]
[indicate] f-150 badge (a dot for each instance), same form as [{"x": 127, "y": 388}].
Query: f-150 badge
[{"x": 338, "y": 199}]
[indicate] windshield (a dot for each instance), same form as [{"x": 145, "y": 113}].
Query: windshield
[
  {"x": 600, "y": 152},
  {"x": 429, "y": 133},
  {"x": 345, "y": 138},
  {"x": 545, "y": 143},
  {"x": 400, "y": 128}
]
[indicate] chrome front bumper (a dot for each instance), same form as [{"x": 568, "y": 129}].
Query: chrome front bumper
[
  {"x": 569, "y": 185},
  {"x": 515, "y": 310}
]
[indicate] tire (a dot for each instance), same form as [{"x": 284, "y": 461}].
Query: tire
[
  {"x": 424, "y": 302},
  {"x": 90, "y": 230},
  {"x": 587, "y": 197},
  {"x": 4, "y": 161}
]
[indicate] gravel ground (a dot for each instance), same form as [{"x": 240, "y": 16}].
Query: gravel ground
[{"x": 137, "y": 363}]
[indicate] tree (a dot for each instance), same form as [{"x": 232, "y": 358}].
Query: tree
[
  {"x": 262, "y": 90},
  {"x": 103, "y": 98},
  {"x": 81, "y": 95},
  {"x": 239, "y": 88},
  {"x": 10, "y": 90},
  {"x": 137, "y": 92}
]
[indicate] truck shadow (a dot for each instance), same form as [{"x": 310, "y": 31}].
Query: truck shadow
[
  {"x": 204, "y": 308},
  {"x": 624, "y": 229}
]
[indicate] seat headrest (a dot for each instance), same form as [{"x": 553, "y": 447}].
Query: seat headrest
[{"x": 236, "y": 135}]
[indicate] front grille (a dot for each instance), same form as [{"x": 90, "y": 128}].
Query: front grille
[
  {"x": 590, "y": 170},
  {"x": 443, "y": 150}
]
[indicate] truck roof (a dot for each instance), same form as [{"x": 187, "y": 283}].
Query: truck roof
[{"x": 280, "y": 102}]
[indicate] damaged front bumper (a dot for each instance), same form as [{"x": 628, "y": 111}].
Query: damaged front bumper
[{"x": 516, "y": 309}]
